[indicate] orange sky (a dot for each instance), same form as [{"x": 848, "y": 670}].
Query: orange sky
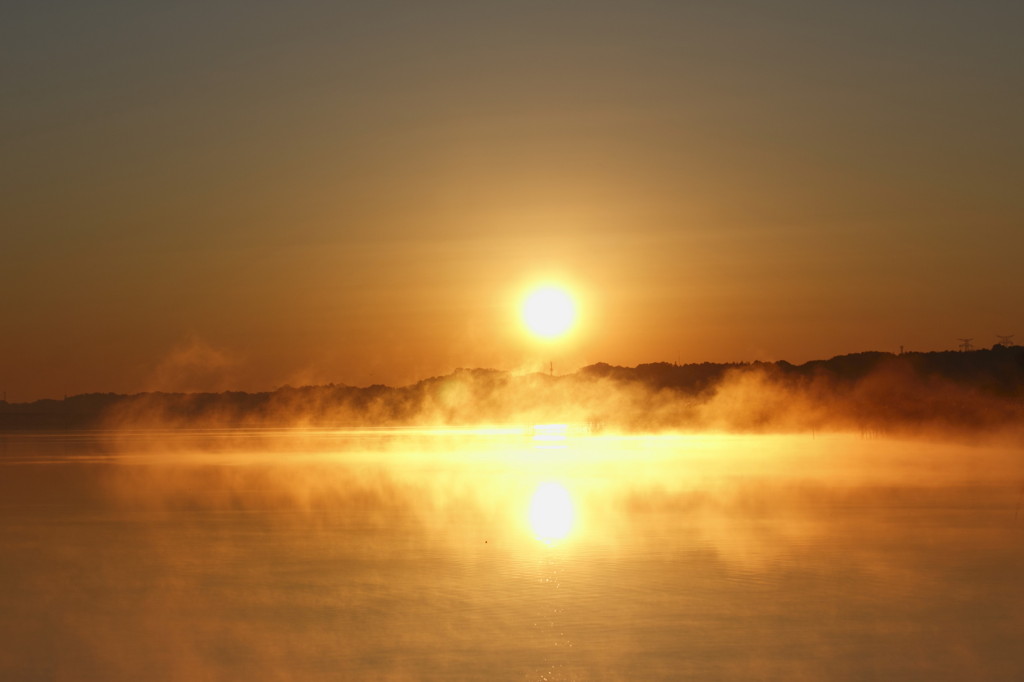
[{"x": 241, "y": 195}]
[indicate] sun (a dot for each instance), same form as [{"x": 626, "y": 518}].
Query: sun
[{"x": 549, "y": 311}]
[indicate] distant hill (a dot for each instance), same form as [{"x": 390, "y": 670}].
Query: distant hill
[{"x": 870, "y": 391}]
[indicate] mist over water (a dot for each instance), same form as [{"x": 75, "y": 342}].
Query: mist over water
[
  {"x": 504, "y": 553},
  {"x": 970, "y": 396}
]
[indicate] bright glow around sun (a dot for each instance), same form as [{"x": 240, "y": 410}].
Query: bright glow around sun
[
  {"x": 549, "y": 311},
  {"x": 551, "y": 512}
]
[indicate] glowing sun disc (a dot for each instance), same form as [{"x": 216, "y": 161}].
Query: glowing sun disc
[{"x": 549, "y": 311}]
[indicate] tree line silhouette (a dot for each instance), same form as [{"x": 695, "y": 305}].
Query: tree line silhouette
[{"x": 876, "y": 391}]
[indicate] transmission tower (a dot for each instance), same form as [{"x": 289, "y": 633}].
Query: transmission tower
[
  {"x": 965, "y": 344},
  {"x": 1005, "y": 340}
]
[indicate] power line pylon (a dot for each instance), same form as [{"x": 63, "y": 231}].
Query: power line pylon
[{"x": 965, "y": 344}]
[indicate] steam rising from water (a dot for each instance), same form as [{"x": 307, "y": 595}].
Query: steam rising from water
[{"x": 916, "y": 394}]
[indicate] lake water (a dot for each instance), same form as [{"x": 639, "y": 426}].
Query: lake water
[{"x": 508, "y": 554}]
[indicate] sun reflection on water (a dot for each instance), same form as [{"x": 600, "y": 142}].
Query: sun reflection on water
[{"x": 551, "y": 512}]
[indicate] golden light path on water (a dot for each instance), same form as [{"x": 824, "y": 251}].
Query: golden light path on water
[
  {"x": 551, "y": 512},
  {"x": 531, "y": 552}
]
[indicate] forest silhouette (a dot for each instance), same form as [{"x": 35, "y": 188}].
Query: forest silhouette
[{"x": 950, "y": 391}]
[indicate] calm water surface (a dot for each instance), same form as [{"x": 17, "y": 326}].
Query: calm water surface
[{"x": 508, "y": 554}]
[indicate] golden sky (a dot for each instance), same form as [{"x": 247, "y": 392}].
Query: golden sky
[{"x": 227, "y": 194}]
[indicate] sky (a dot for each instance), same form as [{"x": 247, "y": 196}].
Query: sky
[{"x": 241, "y": 195}]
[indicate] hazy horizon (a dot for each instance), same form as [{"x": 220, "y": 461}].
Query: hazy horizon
[
  {"x": 950, "y": 395},
  {"x": 192, "y": 368}
]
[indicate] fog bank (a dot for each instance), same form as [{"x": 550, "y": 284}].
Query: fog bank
[{"x": 946, "y": 392}]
